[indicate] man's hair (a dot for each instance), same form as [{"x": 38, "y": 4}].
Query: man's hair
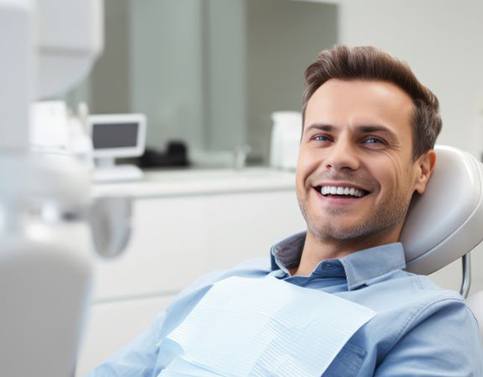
[{"x": 370, "y": 63}]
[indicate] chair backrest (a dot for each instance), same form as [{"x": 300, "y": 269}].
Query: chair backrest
[{"x": 446, "y": 222}]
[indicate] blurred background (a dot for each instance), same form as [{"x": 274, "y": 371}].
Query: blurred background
[
  {"x": 210, "y": 72},
  {"x": 207, "y": 72}
]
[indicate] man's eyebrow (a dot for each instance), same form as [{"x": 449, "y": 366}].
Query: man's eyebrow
[
  {"x": 320, "y": 127},
  {"x": 369, "y": 128},
  {"x": 364, "y": 128}
]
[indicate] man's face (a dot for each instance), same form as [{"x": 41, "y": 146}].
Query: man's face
[{"x": 355, "y": 173}]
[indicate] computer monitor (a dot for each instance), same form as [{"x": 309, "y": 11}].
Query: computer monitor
[
  {"x": 115, "y": 136},
  {"x": 118, "y": 135}
]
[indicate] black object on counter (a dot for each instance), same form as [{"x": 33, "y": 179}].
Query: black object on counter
[{"x": 176, "y": 155}]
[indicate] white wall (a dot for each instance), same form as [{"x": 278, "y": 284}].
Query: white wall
[{"x": 442, "y": 41}]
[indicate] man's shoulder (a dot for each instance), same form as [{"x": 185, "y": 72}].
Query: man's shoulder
[
  {"x": 257, "y": 267},
  {"x": 424, "y": 288},
  {"x": 419, "y": 318},
  {"x": 189, "y": 297},
  {"x": 432, "y": 300},
  {"x": 407, "y": 292},
  {"x": 411, "y": 300}
]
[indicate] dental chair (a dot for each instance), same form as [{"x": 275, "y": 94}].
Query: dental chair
[{"x": 446, "y": 223}]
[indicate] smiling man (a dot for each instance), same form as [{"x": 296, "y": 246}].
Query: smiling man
[
  {"x": 358, "y": 168},
  {"x": 334, "y": 300}
]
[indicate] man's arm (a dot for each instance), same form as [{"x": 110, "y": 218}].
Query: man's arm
[
  {"x": 138, "y": 359},
  {"x": 147, "y": 355},
  {"x": 141, "y": 358},
  {"x": 443, "y": 342}
]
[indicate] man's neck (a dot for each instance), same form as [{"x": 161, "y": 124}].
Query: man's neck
[{"x": 316, "y": 250}]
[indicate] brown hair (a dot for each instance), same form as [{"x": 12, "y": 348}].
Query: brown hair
[{"x": 370, "y": 63}]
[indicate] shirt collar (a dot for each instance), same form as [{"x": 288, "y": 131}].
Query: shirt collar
[{"x": 359, "y": 268}]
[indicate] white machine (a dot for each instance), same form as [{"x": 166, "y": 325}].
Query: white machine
[
  {"x": 55, "y": 129},
  {"x": 45, "y": 271},
  {"x": 115, "y": 136}
]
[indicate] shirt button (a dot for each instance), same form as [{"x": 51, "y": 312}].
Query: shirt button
[{"x": 277, "y": 273}]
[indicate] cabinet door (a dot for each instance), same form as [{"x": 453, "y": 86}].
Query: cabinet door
[{"x": 177, "y": 239}]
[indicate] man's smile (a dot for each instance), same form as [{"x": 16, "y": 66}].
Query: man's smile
[{"x": 340, "y": 192}]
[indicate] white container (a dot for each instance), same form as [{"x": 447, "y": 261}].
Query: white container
[{"x": 285, "y": 139}]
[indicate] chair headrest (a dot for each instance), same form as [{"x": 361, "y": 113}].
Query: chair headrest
[{"x": 446, "y": 222}]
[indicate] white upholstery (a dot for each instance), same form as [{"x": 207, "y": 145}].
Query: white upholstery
[{"x": 446, "y": 222}]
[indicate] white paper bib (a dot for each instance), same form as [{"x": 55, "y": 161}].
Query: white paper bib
[{"x": 264, "y": 327}]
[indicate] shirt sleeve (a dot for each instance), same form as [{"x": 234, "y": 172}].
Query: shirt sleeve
[
  {"x": 141, "y": 358},
  {"x": 441, "y": 340},
  {"x": 138, "y": 359}
]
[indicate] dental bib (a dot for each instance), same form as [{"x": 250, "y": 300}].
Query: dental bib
[{"x": 263, "y": 327}]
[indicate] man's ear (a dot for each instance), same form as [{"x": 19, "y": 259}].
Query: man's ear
[{"x": 425, "y": 166}]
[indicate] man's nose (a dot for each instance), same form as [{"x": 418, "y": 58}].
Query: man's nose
[{"x": 342, "y": 155}]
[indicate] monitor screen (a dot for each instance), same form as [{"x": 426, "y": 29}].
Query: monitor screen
[{"x": 115, "y": 135}]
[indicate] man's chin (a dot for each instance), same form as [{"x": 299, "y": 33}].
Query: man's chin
[{"x": 341, "y": 232}]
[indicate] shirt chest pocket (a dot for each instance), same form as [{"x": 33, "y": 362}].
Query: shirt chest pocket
[{"x": 348, "y": 362}]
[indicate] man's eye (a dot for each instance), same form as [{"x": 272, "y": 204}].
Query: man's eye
[
  {"x": 373, "y": 140},
  {"x": 320, "y": 138}
]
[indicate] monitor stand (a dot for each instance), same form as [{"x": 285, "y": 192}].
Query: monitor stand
[{"x": 107, "y": 171}]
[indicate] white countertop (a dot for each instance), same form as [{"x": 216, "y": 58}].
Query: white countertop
[{"x": 190, "y": 182}]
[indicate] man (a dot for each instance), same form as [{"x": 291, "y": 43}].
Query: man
[{"x": 335, "y": 301}]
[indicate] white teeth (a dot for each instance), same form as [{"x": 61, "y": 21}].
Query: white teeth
[{"x": 339, "y": 190}]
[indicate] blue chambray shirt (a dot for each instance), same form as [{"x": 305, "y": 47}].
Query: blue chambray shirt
[{"x": 419, "y": 329}]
